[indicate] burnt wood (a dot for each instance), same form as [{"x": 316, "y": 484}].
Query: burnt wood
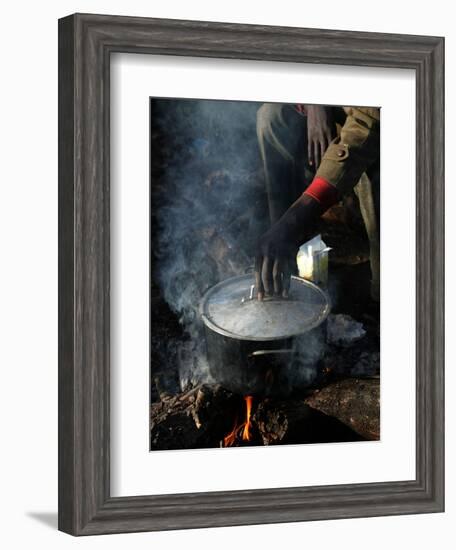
[{"x": 85, "y": 45}]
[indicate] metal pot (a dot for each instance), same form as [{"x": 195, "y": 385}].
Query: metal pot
[{"x": 264, "y": 348}]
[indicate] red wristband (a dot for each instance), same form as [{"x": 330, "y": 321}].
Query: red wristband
[{"x": 323, "y": 192}]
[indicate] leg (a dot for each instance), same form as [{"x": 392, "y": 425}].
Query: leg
[
  {"x": 281, "y": 134},
  {"x": 367, "y": 192}
]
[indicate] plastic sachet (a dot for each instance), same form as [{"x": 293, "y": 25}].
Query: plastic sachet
[{"x": 312, "y": 260}]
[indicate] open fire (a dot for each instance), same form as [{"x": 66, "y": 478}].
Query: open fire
[{"x": 241, "y": 431}]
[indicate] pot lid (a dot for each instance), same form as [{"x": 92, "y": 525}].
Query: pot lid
[{"x": 231, "y": 309}]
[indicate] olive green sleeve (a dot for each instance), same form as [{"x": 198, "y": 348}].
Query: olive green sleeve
[{"x": 351, "y": 153}]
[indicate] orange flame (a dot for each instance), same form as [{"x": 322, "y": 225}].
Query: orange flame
[
  {"x": 230, "y": 439},
  {"x": 241, "y": 430},
  {"x": 246, "y": 435}
]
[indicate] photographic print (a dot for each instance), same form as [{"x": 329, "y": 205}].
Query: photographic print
[
  {"x": 261, "y": 302},
  {"x": 264, "y": 274}
]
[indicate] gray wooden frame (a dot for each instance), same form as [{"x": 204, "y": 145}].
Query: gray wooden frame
[{"x": 85, "y": 45}]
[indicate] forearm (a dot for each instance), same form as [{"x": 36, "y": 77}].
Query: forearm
[{"x": 299, "y": 220}]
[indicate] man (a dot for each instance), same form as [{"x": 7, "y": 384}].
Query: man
[{"x": 349, "y": 161}]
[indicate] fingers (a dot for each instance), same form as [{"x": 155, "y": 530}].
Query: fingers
[
  {"x": 325, "y": 141},
  {"x": 323, "y": 147},
  {"x": 286, "y": 278},
  {"x": 277, "y": 271},
  {"x": 258, "y": 281},
  {"x": 310, "y": 152},
  {"x": 266, "y": 275},
  {"x": 272, "y": 276},
  {"x": 316, "y": 147}
]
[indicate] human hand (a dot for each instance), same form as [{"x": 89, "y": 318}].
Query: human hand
[
  {"x": 276, "y": 252},
  {"x": 275, "y": 258},
  {"x": 321, "y": 130}
]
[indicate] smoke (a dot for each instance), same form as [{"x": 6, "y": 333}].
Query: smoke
[
  {"x": 302, "y": 369},
  {"x": 209, "y": 207}
]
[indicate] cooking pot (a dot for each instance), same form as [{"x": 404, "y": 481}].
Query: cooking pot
[{"x": 268, "y": 347}]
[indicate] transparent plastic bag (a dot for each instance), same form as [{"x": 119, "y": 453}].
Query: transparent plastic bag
[{"x": 312, "y": 260}]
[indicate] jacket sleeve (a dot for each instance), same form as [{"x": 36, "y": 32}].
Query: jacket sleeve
[{"x": 351, "y": 153}]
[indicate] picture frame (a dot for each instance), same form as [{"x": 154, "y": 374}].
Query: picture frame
[{"x": 85, "y": 44}]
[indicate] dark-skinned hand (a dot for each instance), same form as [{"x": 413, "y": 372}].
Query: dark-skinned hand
[
  {"x": 321, "y": 130},
  {"x": 275, "y": 259}
]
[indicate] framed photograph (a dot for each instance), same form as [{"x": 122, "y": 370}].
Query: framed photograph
[{"x": 251, "y": 276}]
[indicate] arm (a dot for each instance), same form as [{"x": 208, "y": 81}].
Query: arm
[{"x": 346, "y": 158}]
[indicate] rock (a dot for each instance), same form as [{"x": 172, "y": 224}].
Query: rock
[{"x": 355, "y": 402}]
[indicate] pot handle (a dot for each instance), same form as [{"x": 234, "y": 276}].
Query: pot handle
[
  {"x": 271, "y": 352},
  {"x": 250, "y": 297}
]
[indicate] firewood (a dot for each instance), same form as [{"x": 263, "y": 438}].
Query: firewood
[
  {"x": 198, "y": 418},
  {"x": 344, "y": 410}
]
